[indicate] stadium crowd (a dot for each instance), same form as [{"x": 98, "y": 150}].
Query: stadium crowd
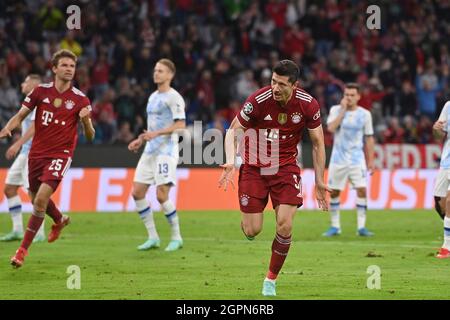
[{"x": 224, "y": 50}]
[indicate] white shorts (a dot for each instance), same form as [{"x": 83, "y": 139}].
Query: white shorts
[
  {"x": 442, "y": 184},
  {"x": 338, "y": 176},
  {"x": 156, "y": 170},
  {"x": 18, "y": 172}
]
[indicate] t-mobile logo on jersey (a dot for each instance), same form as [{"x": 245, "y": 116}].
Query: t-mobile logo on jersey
[{"x": 47, "y": 117}]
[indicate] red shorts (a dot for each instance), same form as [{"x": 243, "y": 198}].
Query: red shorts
[
  {"x": 48, "y": 170},
  {"x": 284, "y": 187}
]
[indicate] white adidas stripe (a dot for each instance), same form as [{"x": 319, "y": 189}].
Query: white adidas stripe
[
  {"x": 298, "y": 95},
  {"x": 262, "y": 94},
  {"x": 303, "y": 98},
  {"x": 303, "y": 93},
  {"x": 265, "y": 97}
]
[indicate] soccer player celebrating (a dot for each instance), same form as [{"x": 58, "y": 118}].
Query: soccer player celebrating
[
  {"x": 442, "y": 186},
  {"x": 59, "y": 106},
  {"x": 158, "y": 163},
  {"x": 18, "y": 173},
  {"x": 279, "y": 112},
  {"x": 352, "y": 126}
]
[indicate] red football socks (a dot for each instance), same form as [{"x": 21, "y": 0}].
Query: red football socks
[
  {"x": 53, "y": 211},
  {"x": 280, "y": 248},
  {"x": 33, "y": 226}
]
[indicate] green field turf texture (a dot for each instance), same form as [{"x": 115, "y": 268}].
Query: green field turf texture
[{"x": 217, "y": 262}]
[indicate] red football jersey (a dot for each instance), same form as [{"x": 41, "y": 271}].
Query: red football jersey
[
  {"x": 277, "y": 126},
  {"x": 56, "y": 120}
]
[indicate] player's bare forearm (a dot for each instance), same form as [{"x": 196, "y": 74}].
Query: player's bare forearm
[
  {"x": 230, "y": 141},
  {"x": 88, "y": 128},
  {"x": 333, "y": 125},
  {"x": 318, "y": 153},
  {"x": 14, "y": 122},
  {"x": 370, "y": 150}
]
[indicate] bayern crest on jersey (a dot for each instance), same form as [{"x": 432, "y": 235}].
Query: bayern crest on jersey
[
  {"x": 296, "y": 117},
  {"x": 69, "y": 104}
]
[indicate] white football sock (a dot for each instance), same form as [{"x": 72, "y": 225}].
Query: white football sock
[
  {"x": 15, "y": 209},
  {"x": 335, "y": 213},
  {"x": 172, "y": 217},
  {"x": 146, "y": 214},
  {"x": 361, "y": 207}
]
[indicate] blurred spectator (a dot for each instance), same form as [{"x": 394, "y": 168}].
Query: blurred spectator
[
  {"x": 394, "y": 132},
  {"x": 124, "y": 135},
  {"x": 410, "y": 127},
  {"x": 428, "y": 85},
  {"x": 71, "y": 44},
  {"x": 407, "y": 99}
]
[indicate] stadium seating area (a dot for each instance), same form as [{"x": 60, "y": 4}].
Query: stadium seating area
[{"x": 224, "y": 50}]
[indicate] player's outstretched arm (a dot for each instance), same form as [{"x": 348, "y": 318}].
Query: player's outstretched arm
[
  {"x": 12, "y": 151},
  {"x": 318, "y": 153},
  {"x": 230, "y": 154},
  {"x": 88, "y": 128},
  {"x": 14, "y": 122}
]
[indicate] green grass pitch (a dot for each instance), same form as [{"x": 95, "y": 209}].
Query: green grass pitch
[{"x": 217, "y": 262}]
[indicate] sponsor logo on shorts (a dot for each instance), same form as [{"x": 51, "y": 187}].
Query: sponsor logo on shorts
[{"x": 244, "y": 200}]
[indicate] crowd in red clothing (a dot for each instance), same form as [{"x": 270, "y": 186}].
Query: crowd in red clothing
[{"x": 224, "y": 50}]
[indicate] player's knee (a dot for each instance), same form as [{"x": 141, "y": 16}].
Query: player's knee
[
  {"x": 284, "y": 227},
  {"x": 335, "y": 193},
  {"x": 40, "y": 204},
  {"x": 10, "y": 191},
  {"x": 251, "y": 231},
  {"x": 361, "y": 192},
  {"x": 138, "y": 194},
  {"x": 162, "y": 197},
  {"x": 438, "y": 205}
]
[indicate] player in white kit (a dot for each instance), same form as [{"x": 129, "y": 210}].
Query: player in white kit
[
  {"x": 18, "y": 172},
  {"x": 442, "y": 186},
  {"x": 353, "y": 132},
  {"x": 158, "y": 163}
]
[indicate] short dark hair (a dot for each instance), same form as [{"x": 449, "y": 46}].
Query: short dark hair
[
  {"x": 353, "y": 85},
  {"x": 287, "y": 68},
  {"x": 63, "y": 53}
]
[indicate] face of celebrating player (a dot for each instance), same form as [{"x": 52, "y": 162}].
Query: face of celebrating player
[
  {"x": 352, "y": 96},
  {"x": 161, "y": 74},
  {"x": 281, "y": 88},
  {"x": 65, "y": 70}
]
